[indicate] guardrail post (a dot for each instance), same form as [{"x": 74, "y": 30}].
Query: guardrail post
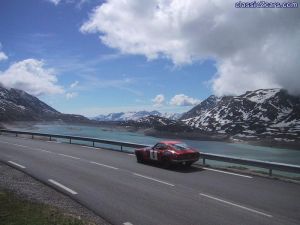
[
  {"x": 32, "y": 136},
  {"x": 50, "y": 138},
  {"x": 121, "y": 148},
  {"x": 70, "y": 141},
  {"x": 203, "y": 161},
  {"x": 93, "y": 144},
  {"x": 270, "y": 172},
  {"x": 16, "y": 134}
]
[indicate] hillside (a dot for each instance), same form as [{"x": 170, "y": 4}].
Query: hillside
[{"x": 17, "y": 105}]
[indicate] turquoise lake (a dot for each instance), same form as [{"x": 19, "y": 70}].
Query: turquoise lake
[{"x": 230, "y": 149}]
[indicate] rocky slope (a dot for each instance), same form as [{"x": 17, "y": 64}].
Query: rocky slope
[
  {"x": 261, "y": 113},
  {"x": 17, "y": 105}
]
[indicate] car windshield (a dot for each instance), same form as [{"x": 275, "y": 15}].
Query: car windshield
[{"x": 180, "y": 146}]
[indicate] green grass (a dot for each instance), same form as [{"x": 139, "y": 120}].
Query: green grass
[{"x": 15, "y": 211}]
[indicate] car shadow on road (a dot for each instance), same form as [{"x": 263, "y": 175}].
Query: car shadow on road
[{"x": 176, "y": 168}]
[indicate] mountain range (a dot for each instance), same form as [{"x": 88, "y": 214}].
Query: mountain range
[
  {"x": 261, "y": 114},
  {"x": 135, "y": 115},
  {"x": 265, "y": 114}
]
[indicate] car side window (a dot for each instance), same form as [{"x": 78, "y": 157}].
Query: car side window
[
  {"x": 160, "y": 146},
  {"x": 156, "y": 146}
]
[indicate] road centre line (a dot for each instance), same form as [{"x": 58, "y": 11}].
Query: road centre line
[
  {"x": 69, "y": 156},
  {"x": 107, "y": 166},
  {"x": 43, "y": 150},
  {"x": 62, "y": 186},
  {"x": 127, "y": 223},
  {"x": 16, "y": 164},
  {"x": 22, "y": 146},
  {"x": 236, "y": 205},
  {"x": 153, "y": 179}
]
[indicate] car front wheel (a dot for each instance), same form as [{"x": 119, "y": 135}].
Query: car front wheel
[{"x": 188, "y": 164}]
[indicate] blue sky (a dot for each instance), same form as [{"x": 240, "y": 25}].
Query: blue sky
[
  {"x": 89, "y": 68},
  {"x": 44, "y": 31}
]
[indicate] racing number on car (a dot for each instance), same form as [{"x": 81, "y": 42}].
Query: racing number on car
[{"x": 153, "y": 154}]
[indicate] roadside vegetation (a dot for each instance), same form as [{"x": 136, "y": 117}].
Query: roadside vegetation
[{"x": 16, "y": 211}]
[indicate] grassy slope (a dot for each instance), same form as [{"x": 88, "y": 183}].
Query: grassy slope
[{"x": 15, "y": 211}]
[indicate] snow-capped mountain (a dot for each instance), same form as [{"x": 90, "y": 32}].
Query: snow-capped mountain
[
  {"x": 17, "y": 105},
  {"x": 159, "y": 123},
  {"x": 171, "y": 116},
  {"x": 135, "y": 115},
  {"x": 261, "y": 112}
]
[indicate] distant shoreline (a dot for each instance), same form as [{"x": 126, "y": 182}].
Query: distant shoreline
[
  {"x": 263, "y": 142},
  {"x": 197, "y": 136}
]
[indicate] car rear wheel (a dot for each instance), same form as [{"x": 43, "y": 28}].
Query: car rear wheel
[
  {"x": 139, "y": 158},
  {"x": 166, "y": 163}
]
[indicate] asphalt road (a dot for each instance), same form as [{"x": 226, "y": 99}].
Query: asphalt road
[{"x": 122, "y": 191}]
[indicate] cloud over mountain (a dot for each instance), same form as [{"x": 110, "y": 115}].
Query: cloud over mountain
[
  {"x": 159, "y": 100},
  {"x": 32, "y": 76},
  {"x": 183, "y": 100},
  {"x": 253, "y": 48}
]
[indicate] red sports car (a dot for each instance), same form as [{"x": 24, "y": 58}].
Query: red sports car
[{"x": 167, "y": 153}]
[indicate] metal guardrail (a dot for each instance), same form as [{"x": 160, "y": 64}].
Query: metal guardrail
[
  {"x": 205, "y": 156},
  {"x": 78, "y": 138},
  {"x": 250, "y": 162}
]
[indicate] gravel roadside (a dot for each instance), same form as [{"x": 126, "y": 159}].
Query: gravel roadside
[{"x": 26, "y": 187}]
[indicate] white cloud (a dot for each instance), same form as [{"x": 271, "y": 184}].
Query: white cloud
[
  {"x": 3, "y": 56},
  {"x": 71, "y": 95},
  {"x": 32, "y": 76},
  {"x": 77, "y": 3},
  {"x": 55, "y": 2},
  {"x": 253, "y": 48},
  {"x": 159, "y": 100},
  {"x": 74, "y": 84},
  {"x": 183, "y": 100}
]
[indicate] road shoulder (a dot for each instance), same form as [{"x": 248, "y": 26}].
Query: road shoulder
[{"x": 28, "y": 188}]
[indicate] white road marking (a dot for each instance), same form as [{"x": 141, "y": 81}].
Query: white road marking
[
  {"x": 22, "y": 146},
  {"x": 131, "y": 154},
  {"x": 62, "y": 186},
  {"x": 150, "y": 178},
  {"x": 88, "y": 147},
  {"x": 42, "y": 150},
  {"x": 127, "y": 223},
  {"x": 100, "y": 164},
  {"x": 55, "y": 142},
  {"x": 221, "y": 171},
  {"x": 16, "y": 164},
  {"x": 72, "y": 157},
  {"x": 236, "y": 205}
]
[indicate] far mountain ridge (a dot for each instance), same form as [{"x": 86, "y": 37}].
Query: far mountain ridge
[{"x": 134, "y": 116}]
